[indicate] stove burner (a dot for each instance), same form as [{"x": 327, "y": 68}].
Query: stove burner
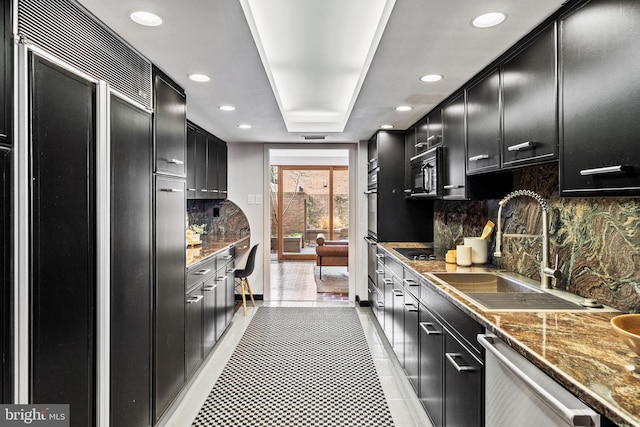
[{"x": 417, "y": 254}]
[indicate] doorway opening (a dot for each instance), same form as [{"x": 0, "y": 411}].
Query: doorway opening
[{"x": 309, "y": 197}]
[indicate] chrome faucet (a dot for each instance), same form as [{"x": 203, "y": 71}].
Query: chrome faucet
[{"x": 546, "y": 272}]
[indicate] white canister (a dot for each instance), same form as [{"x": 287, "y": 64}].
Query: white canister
[
  {"x": 463, "y": 255},
  {"x": 479, "y": 249}
]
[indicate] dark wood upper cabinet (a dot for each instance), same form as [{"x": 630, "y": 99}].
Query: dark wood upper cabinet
[
  {"x": 422, "y": 133},
  {"x": 483, "y": 124},
  {"x": 529, "y": 92},
  {"x": 170, "y": 126},
  {"x": 454, "y": 176},
  {"x": 206, "y": 165},
  {"x": 599, "y": 108}
]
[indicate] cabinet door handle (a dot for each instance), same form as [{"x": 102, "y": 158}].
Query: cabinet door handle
[
  {"x": 380, "y": 272},
  {"x": 521, "y": 146},
  {"x": 175, "y": 162},
  {"x": 380, "y": 256},
  {"x": 209, "y": 288},
  {"x": 202, "y": 272},
  {"x": 194, "y": 300},
  {"x": 204, "y": 190},
  {"x": 452, "y": 359},
  {"x": 407, "y": 191},
  {"x": 191, "y": 189},
  {"x": 371, "y": 161},
  {"x": 370, "y": 192},
  {"x": 478, "y": 157},
  {"x": 231, "y": 270},
  {"x": 371, "y": 241},
  {"x": 452, "y": 187},
  {"x": 397, "y": 292},
  {"x": 171, "y": 190},
  {"x": 410, "y": 282},
  {"x": 227, "y": 257},
  {"x": 602, "y": 171},
  {"x": 421, "y": 144},
  {"x": 387, "y": 281},
  {"x": 425, "y": 327},
  {"x": 410, "y": 307},
  {"x": 380, "y": 304},
  {"x": 433, "y": 138}
]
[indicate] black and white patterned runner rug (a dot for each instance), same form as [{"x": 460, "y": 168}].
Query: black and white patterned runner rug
[{"x": 299, "y": 367}]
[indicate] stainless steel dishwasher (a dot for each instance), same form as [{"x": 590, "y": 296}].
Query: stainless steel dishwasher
[{"x": 517, "y": 393}]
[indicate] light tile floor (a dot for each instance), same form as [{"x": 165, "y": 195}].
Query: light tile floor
[
  {"x": 403, "y": 403},
  {"x": 296, "y": 281}
]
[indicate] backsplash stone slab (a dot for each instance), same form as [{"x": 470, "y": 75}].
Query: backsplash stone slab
[{"x": 597, "y": 240}]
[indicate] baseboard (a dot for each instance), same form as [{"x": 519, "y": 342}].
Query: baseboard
[
  {"x": 257, "y": 297},
  {"x": 362, "y": 303}
]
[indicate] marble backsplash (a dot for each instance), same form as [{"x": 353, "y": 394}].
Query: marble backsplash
[
  {"x": 597, "y": 240},
  {"x": 221, "y": 217}
]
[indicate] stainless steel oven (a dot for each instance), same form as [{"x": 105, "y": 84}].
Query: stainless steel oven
[
  {"x": 426, "y": 169},
  {"x": 372, "y": 204}
]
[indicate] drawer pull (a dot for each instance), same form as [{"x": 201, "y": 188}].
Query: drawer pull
[
  {"x": 387, "y": 281},
  {"x": 452, "y": 187},
  {"x": 410, "y": 307},
  {"x": 380, "y": 304},
  {"x": 380, "y": 271},
  {"x": 421, "y": 144},
  {"x": 380, "y": 256},
  {"x": 425, "y": 327},
  {"x": 522, "y": 146},
  {"x": 397, "y": 292},
  {"x": 452, "y": 359},
  {"x": 602, "y": 171},
  {"x": 478, "y": 157},
  {"x": 191, "y": 189},
  {"x": 202, "y": 272},
  {"x": 410, "y": 282},
  {"x": 231, "y": 270},
  {"x": 194, "y": 300},
  {"x": 171, "y": 190},
  {"x": 209, "y": 288},
  {"x": 204, "y": 190},
  {"x": 227, "y": 257},
  {"x": 175, "y": 162}
]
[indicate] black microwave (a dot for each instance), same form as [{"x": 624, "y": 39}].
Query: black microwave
[{"x": 426, "y": 169}]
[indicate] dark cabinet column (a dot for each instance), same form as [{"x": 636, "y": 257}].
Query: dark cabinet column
[
  {"x": 6, "y": 288},
  {"x": 223, "y": 167},
  {"x": 193, "y": 329},
  {"x": 130, "y": 397},
  {"x": 212, "y": 167},
  {"x": 169, "y": 350},
  {"x": 63, "y": 264}
]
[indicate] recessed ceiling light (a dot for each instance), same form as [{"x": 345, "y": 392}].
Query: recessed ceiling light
[
  {"x": 200, "y": 78},
  {"x": 386, "y": 127},
  {"x": 489, "y": 20},
  {"x": 404, "y": 108},
  {"x": 244, "y": 126},
  {"x": 147, "y": 19},
  {"x": 227, "y": 108},
  {"x": 430, "y": 78}
]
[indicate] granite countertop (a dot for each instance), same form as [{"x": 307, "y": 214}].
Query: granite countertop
[
  {"x": 211, "y": 244},
  {"x": 580, "y": 350}
]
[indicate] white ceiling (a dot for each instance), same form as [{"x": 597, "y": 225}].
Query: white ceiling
[{"x": 421, "y": 37}]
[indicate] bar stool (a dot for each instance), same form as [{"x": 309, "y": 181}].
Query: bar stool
[{"x": 241, "y": 277}]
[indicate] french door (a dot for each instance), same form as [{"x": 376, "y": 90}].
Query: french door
[{"x": 310, "y": 200}]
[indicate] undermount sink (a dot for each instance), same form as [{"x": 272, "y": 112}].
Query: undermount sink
[{"x": 495, "y": 291}]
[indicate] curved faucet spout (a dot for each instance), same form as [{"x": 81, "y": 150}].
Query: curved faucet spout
[{"x": 546, "y": 272}]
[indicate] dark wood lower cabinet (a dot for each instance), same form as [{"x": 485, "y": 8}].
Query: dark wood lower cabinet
[
  {"x": 209, "y": 290},
  {"x": 463, "y": 387},
  {"x": 130, "y": 375},
  {"x": 63, "y": 240},
  {"x": 431, "y": 381},
  {"x": 194, "y": 301}
]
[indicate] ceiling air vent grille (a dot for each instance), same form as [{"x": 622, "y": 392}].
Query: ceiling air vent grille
[
  {"x": 314, "y": 137},
  {"x": 65, "y": 30}
]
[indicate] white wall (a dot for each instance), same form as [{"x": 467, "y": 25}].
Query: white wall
[
  {"x": 245, "y": 177},
  {"x": 248, "y": 176}
]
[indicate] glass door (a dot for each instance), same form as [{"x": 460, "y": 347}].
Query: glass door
[{"x": 306, "y": 201}]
